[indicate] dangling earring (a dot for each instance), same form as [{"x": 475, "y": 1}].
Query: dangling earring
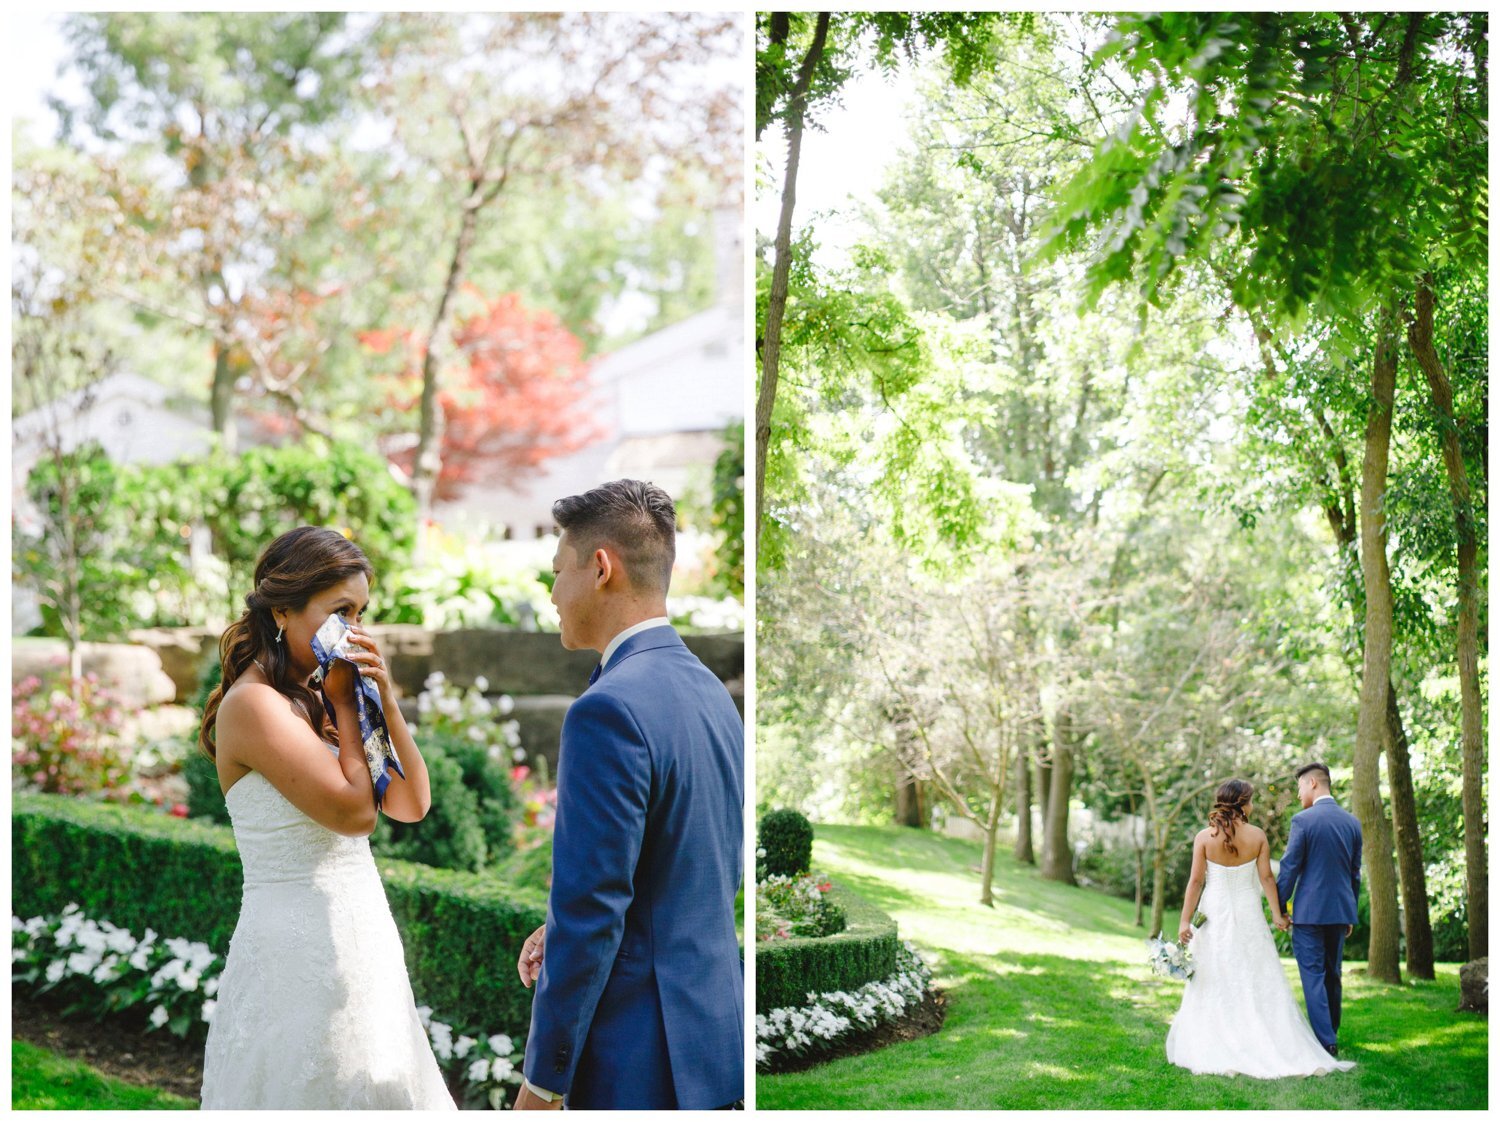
[{"x": 280, "y": 631}]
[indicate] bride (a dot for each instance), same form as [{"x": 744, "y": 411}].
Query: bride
[
  {"x": 1238, "y": 1015},
  {"x": 315, "y": 1010}
]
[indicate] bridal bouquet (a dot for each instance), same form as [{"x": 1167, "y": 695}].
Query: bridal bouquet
[{"x": 1169, "y": 960}]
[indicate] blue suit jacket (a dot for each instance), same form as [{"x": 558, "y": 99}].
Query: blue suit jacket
[
  {"x": 1321, "y": 865},
  {"x": 640, "y": 1002}
]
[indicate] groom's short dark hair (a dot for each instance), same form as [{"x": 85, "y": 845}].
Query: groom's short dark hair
[
  {"x": 1315, "y": 766},
  {"x": 638, "y": 519}
]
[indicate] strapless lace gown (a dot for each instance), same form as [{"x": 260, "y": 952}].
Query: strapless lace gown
[
  {"x": 1238, "y": 1014},
  {"x": 315, "y": 1010}
]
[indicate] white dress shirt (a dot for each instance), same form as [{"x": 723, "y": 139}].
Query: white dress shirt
[{"x": 633, "y": 629}]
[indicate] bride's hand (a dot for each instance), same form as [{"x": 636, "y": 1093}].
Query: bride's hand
[
  {"x": 370, "y": 662},
  {"x": 1185, "y": 934},
  {"x": 530, "y": 963}
]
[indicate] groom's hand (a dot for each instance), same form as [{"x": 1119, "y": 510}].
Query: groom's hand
[
  {"x": 530, "y": 964},
  {"x": 1348, "y": 931}
]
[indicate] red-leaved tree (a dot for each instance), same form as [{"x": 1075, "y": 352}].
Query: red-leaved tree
[{"x": 519, "y": 396}]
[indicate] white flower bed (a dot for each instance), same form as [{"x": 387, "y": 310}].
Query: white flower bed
[
  {"x": 177, "y": 979},
  {"x": 828, "y": 1017}
]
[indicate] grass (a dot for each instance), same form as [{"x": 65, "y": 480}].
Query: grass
[
  {"x": 43, "y": 1080},
  {"x": 1051, "y": 1006}
]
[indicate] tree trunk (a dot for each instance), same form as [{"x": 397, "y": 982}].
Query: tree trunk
[
  {"x": 1385, "y": 962},
  {"x": 1140, "y": 885},
  {"x": 987, "y": 869},
  {"x": 1158, "y": 887},
  {"x": 221, "y": 399},
  {"x": 1476, "y": 865},
  {"x": 1409, "y": 862},
  {"x": 1024, "y": 851},
  {"x": 770, "y": 354},
  {"x": 428, "y": 462},
  {"x": 1057, "y": 856},
  {"x": 1043, "y": 787},
  {"x": 909, "y": 810}
]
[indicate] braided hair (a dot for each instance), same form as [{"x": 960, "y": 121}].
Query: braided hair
[{"x": 1230, "y": 801}]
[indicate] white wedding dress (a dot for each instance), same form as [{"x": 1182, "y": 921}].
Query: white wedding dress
[
  {"x": 1238, "y": 1015},
  {"x": 315, "y": 1010}
]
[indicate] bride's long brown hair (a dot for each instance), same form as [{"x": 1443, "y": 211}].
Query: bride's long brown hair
[
  {"x": 294, "y": 568},
  {"x": 1230, "y": 801}
]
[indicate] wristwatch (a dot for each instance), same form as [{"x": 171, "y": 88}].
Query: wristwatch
[{"x": 545, "y": 1096}]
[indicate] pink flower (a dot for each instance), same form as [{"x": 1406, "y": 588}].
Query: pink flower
[
  {"x": 179, "y": 810},
  {"x": 519, "y": 773}
]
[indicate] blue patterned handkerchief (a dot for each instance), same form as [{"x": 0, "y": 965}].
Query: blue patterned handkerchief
[{"x": 330, "y": 644}]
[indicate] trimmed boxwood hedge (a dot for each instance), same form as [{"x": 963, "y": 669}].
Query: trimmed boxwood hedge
[
  {"x": 181, "y": 877},
  {"x": 787, "y": 970}
]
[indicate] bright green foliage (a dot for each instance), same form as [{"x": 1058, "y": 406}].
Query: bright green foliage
[
  {"x": 474, "y": 809},
  {"x": 787, "y": 970},
  {"x": 728, "y": 514},
  {"x": 140, "y": 869},
  {"x": 1323, "y": 159},
  {"x": 88, "y": 510},
  {"x": 786, "y": 836}
]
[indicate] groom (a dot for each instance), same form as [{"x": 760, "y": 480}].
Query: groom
[
  {"x": 639, "y": 986},
  {"x": 1321, "y": 866}
]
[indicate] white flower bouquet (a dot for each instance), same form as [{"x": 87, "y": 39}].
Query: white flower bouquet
[{"x": 1169, "y": 959}]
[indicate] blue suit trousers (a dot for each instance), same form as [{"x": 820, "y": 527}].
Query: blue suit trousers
[{"x": 1319, "y": 950}]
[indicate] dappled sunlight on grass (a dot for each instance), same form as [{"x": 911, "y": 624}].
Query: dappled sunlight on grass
[{"x": 1051, "y": 1005}]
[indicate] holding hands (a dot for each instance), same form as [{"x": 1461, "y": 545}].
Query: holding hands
[{"x": 1283, "y": 923}]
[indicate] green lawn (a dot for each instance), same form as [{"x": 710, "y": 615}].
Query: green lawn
[
  {"x": 42, "y": 1080},
  {"x": 1051, "y": 1006}
]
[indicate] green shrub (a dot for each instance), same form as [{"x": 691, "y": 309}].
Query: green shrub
[
  {"x": 786, "y": 839},
  {"x": 181, "y": 877},
  {"x": 205, "y": 798},
  {"x": 787, "y": 970},
  {"x": 450, "y": 837}
]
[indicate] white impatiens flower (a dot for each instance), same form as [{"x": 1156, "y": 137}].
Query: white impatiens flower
[
  {"x": 211, "y": 986},
  {"x": 159, "y": 1016},
  {"x": 434, "y": 680},
  {"x": 55, "y": 970},
  {"x": 482, "y": 684},
  {"x": 519, "y": 755},
  {"x": 208, "y": 1010},
  {"x": 187, "y": 981},
  {"x": 476, "y": 733},
  {"x": 424, "y": 1014},
  {"x": 501, "y": 1045},
  {"x": 479, "y": 1071},
  {"x": 462, "y": 1046},
  {"x": 506, "y": 705},
  {"x": 442, "y": 1039},
  {"x": 501, "y": 1069}
]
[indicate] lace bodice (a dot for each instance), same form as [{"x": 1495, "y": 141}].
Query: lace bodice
[{"x": 277, "y": 842}]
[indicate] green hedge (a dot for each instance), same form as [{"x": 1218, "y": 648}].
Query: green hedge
[
  {"x": 181, "y": 877},
  {"x": 787, "y": 970}
]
